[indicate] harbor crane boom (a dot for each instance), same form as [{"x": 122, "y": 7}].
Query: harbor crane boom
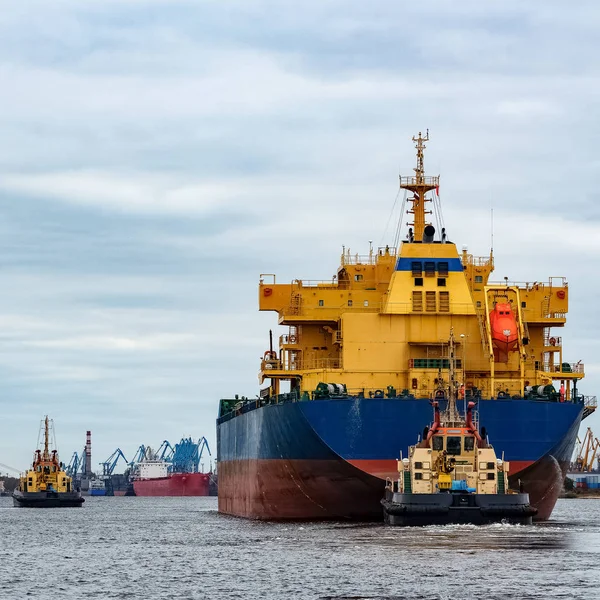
[
  {"x": 108, "y": 466},
  {"x": 589, "y": 450}
]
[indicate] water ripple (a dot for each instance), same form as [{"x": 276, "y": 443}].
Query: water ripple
[{"x": 181, "y": 548}]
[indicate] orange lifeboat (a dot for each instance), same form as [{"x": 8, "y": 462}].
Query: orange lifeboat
[{"x": 504, "y": 327}]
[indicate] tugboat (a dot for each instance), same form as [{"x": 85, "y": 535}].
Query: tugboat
[
  {"x": 453, "y": 474},
  {"x": 46, "y": 485}
]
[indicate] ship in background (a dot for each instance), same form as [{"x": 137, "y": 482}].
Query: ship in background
[
  {"x": 365, "y": 353},
  {"x": 171, "y": 471}
]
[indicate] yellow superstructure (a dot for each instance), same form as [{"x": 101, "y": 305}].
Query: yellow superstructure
[
  {"x": 379, "y": 326},
  {"x": 46, "y": 473}
]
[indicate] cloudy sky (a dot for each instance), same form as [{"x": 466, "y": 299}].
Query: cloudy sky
[{"x": 156, "y": 156}]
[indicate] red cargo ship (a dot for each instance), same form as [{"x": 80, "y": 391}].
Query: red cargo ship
[{"x": 153, "y": 479}]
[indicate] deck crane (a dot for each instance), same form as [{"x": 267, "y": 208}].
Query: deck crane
[{"x": 588, "y": 452}]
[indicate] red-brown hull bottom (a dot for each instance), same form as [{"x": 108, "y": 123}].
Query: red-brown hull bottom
[
  {"x": 298, "y": 489},
  {"x": 334, "y": 489},
  {"x": 177, "y": 484}
]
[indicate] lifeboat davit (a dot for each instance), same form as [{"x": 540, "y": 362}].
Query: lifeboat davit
[{"x": 503, "y": 324}]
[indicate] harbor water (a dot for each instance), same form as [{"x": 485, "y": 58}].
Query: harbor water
[{"x": 181, "y": 548}]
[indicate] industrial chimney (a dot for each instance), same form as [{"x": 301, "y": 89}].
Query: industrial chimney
[{"x": 88, "y": 453}]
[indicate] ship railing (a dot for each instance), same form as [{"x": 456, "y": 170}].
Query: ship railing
[
  {"x": 301, "y": 365},
  {"x": 590, "y": 401},
  {"x": 289, "y": 338},
  {"x": 566, "y": 368},
  {"x": 321, "y": 311},
  {"x": 553, "y": 283},
  {"x": 320, "y": 283},
  {"x": 478, "y": 261},
  {"x": 432, "y": 180},
  {"x": 349, "y": 258}
]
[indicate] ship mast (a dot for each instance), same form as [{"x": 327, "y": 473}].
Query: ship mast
[
  {"x": 419, "y": 185},
  {"x": 451, "y": 416},
  {"x": 46, "y": 454}
]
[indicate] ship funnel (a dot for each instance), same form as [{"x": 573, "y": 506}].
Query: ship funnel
[{"x": 428, "y": 234}]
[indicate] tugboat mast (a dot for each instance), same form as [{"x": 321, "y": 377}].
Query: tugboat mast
[
  {"x": 451, "y": 416},
  {"x": 46, "y": 452},
  {"x": 419, "y": 184}
]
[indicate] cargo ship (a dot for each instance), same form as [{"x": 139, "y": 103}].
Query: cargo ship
[
  {"x": 152, "y": 477},
  {"x": 353, "y": 376},
  {"x": 97, "y": 487}
]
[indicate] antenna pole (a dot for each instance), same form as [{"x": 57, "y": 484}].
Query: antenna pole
[
  {"x": 419, "y": 184},
  {"x": 492, "y": 225},
  {"x": 46, "y": 455}
]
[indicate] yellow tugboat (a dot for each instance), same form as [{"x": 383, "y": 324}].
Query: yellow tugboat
[
  {"x": 453, "y": 474},
  {"x": 46, "y": 485}
]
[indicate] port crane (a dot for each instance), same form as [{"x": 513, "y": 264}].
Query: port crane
[
  {"x": 139, "y": 455},
  {"x": 165, "y": 451},
  {"x": 187, "y": 455},
  {"x": 75, "y": 468},
  {"x": 202, "y": 443},
  {"x": 108, "y": 466},
  {"x": 589, "y": 451}
]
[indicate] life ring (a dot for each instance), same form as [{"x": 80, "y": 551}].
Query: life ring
[
  {"x": 553, "y": 341},
  {"x": 292, "y": 339},
  {"x": 267, "y": 291},
  {"x": 270, "y": 355},
  {"x": 561, "y": 294}
]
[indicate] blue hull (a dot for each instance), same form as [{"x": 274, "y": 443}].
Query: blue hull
[{"x": 310, "y": 448}]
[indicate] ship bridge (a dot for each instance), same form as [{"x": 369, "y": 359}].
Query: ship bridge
[{"x": 381, "y": 321}]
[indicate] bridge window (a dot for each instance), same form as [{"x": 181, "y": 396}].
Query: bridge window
[
  {"x": 453, "y": 445},
  {"x": 417, "y": 268},
  {"x": 443, "y": 269},
  {"x": 438, "y": 443},
  {"x": 429, "y": 268},
  {"x": 469, "y": 443}
]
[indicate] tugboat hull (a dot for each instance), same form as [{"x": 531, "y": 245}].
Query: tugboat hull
[
  {"x": 446, "y": 509},
  {"x": 47, "y": 499}
]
